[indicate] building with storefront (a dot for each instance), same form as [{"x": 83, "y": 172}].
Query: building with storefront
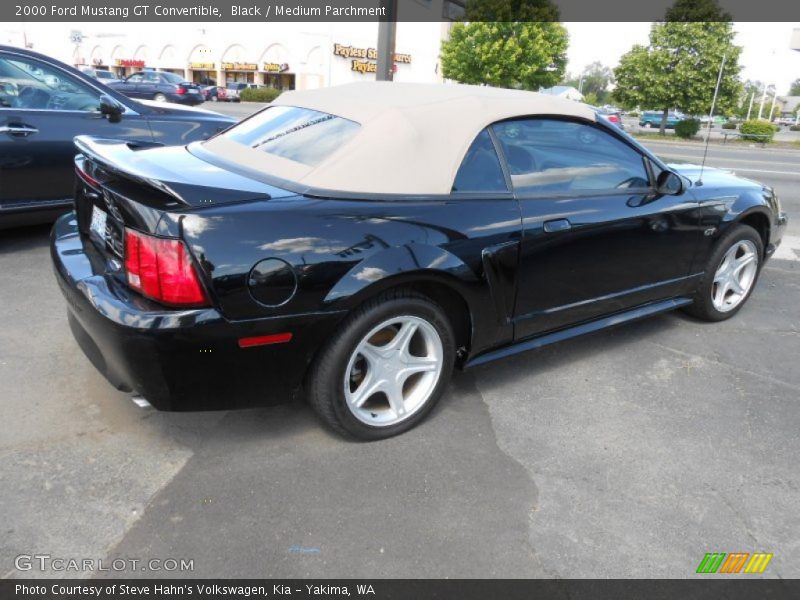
[{"x": 279, "y": 55}]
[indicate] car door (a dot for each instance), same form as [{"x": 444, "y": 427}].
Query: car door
[
  {"x": 130, "y": 85},
  {"x": 596, "y": 237},
  {"x": 150, "y": 85},
  {"x": 42, "y": 108}
]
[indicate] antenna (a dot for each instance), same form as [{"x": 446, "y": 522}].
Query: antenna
[{"x": 711, "y": 121}]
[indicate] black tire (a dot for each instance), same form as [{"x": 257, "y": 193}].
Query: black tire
[
  {"x": 325, "y": 383},
  {"x": 703, "y": 306}
]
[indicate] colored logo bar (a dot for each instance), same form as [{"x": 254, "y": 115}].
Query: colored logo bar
[{"x": 734, "y": 562}]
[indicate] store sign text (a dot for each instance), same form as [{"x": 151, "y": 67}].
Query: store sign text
[
  {"x": 276, "y": 68},
  {"x": 230, "y": 66},
  {"x": 363, "y": 59},
  {"x": 130, "y": 62}
]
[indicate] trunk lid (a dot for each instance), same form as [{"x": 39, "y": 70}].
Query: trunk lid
[{"x": 125, "y": 184}]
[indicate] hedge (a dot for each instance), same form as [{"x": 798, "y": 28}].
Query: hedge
[
  {"x": 687, "y": 128},
  {"x": 757, "y": 131},
  {"x": 729, "y": 125},
  {"x": 794, "y": 128},
  {"x": 264, "y": 94}
]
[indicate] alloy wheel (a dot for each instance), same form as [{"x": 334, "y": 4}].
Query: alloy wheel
[
  {"x": 393, "y": 371},
  {"x": 735, "y": 276}
]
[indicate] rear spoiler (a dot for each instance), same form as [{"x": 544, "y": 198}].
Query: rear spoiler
[{"x": 119, "y": 156}]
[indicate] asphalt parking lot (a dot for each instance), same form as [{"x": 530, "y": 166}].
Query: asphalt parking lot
[{"x": 628, "y": 453}]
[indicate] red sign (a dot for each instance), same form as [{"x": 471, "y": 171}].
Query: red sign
[{"x": 130, "y": 62}]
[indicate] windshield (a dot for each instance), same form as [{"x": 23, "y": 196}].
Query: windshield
[{"x": 298, "y": 134}]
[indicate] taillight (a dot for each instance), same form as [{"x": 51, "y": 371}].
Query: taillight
[
  {"x": 80, "y": 171},
  {"x": 161, "y": 269},
  {"x": 181, "y": 90},
  {"x": 613, "y": 118}
]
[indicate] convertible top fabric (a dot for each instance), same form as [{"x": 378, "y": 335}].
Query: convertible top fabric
[{"x": 412, "y": 138}]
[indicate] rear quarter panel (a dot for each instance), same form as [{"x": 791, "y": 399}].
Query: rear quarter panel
[{"x": 343, "y": 252}]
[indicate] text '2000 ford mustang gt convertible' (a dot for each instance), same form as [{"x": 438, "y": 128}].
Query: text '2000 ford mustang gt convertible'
[{"x": 357, "y": 243}]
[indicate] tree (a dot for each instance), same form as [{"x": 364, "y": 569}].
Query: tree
[
  {"x": 523, "y": 55},
  {"x": 794, "y": 89},
  {"x": 696, "y": 11},
  {"x": 679, "y": 69},
  {"x": 507, "y": 11}
]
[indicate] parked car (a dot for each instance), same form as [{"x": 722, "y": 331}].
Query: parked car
[
  {"x": 103, "y": 75},
  {"x": 612, "y": 116},
  {"x": 210, "y": 93},
  {"x": 652, "y": 118},
  {"x": 161, "y": 87},
  {"x": 44, "y": 104},
  {"x": 360, "y": 241},
  {"x": 233, "y": 89}
]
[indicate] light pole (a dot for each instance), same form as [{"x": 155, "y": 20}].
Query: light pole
[
  {"x": 750, "y": 108},
  {"x": 763, "y": 99},
  {"x": 387, "y": 34}
]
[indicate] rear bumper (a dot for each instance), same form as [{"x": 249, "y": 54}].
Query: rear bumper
[
  {"x": 190, "y": 99},
  {"x": 178, "y": 360}
]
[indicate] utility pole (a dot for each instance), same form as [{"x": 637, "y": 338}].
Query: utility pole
[
  {"x": 750, "y": 108},
  {"x": 772, "y": 110},
  {"x": 387, "y": 33}
]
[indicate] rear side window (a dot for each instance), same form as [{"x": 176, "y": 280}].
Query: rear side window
[
  {"x": 480, "y": 170},
  {"x": 299, "y": 134}
]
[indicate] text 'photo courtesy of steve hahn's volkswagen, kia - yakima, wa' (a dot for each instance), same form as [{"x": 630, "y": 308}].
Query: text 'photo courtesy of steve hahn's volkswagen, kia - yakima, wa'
[{"x": 353, "y": 244}]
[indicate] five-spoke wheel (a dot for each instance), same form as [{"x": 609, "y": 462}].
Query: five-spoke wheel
[
  {"x": 735, "y": 275},
  {"x": 731, "y": 273},
  {"x": 385, "y": 368}
]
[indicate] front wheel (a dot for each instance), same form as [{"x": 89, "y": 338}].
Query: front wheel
[
  {"x": 730, "y": 275},
  {"x": 385, "y": 369}
]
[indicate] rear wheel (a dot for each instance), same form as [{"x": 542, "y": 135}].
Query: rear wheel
[
  {"x": 731, "y": 275},
  {"x": 385, "y": 369},
  {"x": 160, "y": 98},
  {"x": 648, "y": 125}
]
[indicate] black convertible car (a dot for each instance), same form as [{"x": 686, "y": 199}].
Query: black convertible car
[
  {"x": 357, "y": 243},
  {"x": 44, "y": 104}
]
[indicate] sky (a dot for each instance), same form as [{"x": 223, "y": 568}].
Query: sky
[{"x": 766, "y": 55}]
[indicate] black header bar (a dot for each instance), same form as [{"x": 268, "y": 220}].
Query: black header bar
[{"x": 374, "y": 10}]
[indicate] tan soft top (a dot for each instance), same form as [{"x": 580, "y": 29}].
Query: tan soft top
[{"x": 412, "y": 138}]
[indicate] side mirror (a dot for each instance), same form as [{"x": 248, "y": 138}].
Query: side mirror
[
  {"x": 669, "y": 184},
  {"x": 111, "y": 108}
]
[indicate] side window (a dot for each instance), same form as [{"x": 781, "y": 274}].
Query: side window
[
  {"x": 551, "y": 156},
  {"x": 135, "y": 78},
  {"x": 152, "y": 77},
  {"x": 480, "y": 170},
  {"x": 29, "y": 84}
]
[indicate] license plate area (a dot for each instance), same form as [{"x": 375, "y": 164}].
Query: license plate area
[{"x": 97, "y": 227}]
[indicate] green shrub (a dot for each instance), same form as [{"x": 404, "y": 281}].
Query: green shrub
[
  {"x": 757, "y": 131},
  {"x": 264, "y": 94},
  {"x": 794, "y": 128},
  {"x": 687, "y": 128},
  {"x": 729, "y": 125}
]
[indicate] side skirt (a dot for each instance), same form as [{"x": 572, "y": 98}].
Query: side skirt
[{"x": 571, "y": 332}]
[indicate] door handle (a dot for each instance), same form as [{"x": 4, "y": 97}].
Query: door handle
[
  {"x": 18, "y": 130},
  {"x": 557, "y": 225}
]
